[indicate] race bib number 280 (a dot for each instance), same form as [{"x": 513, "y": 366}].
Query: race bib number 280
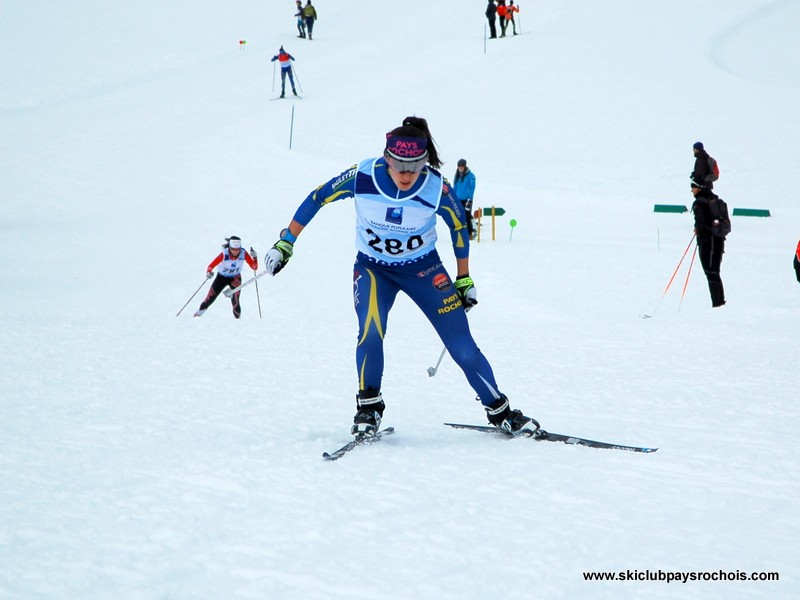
[{"x": 393, "y": 246}]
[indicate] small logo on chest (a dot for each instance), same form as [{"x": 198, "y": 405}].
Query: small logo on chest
[{"x": 394, "y": 215}]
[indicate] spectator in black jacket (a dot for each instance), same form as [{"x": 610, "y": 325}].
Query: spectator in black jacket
[
  {"x": 704, "y": 171},
  {"x": 491, "y": 16},
  {"x": 710, "y": 248}
]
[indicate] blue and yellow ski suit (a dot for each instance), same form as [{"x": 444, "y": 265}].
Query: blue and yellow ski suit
[{"x": 396, "y": 244}]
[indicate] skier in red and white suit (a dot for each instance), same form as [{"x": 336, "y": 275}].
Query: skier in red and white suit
[{"x": 230, "y": 262}]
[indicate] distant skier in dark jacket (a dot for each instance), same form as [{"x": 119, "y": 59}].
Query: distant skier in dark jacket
[
  {"x": 491, "y": 16},
  {"x": 710, "y": 247},
  {"x": 704, "y": 171}
]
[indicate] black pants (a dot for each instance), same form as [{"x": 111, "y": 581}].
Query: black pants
[
  {"x": 468, "y": 210},
  {"x": 217, "y": 286},
  {"x": 492, "y": 27},
  {"x": 711, "y": 251},
  {"x": 797, "y": 268}
]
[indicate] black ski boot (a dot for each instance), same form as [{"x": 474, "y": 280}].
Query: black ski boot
[
  {"x": 512, "y": 422},
  {"x": 369, "y": 411}
]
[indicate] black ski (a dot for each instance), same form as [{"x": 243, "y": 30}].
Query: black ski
[
  {"x": 546, "y": 436},
  {"x": 360, "y": 441}
]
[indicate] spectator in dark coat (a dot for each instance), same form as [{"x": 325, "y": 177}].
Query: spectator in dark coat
[
  {"x": 704, "y": 171},
  {"x": 491, "y": 16},
  {"x": 710, "y": 248}
]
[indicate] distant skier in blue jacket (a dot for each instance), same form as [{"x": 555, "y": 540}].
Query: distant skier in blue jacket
[
  {"x": 285, "y": 60},
  {"x": 397, "y": 198},
  {"x": 464, "y": 186}
]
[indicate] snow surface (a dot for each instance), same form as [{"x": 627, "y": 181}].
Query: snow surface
[{"x": 148, "y": 456}]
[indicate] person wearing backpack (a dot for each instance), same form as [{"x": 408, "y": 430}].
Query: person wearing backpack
[
  {"x": 710, "y": 238},
  {"x": 706, "y": 169}
]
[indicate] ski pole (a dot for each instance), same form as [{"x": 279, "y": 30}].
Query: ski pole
[
  {"x": 686, "y": 283},
  {"x": 258, "y": 297},
  {"x": 231, "y": 291},
  {"x": 432, "y": 370},
  {"x": 675, "y": 272},
  {"x": 273, "y": 78},
  {"x": 190, "y": 299},
  {"x": 669, "y": 283},
  {"x": 296, "y": 76},
  {"x": 291, "y": 129}
]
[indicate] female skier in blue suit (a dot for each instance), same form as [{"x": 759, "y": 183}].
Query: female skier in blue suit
[{"x": 397, "y": 198}]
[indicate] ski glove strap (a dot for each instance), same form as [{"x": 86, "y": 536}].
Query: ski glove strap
[
  {"x": 288, "y": 236},
  {"x": 466, "y": 289},
  {"x": 278, "y": 256}
]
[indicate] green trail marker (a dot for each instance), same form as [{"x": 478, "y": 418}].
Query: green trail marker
[
  {"x": 513, "y": 223},
  {"x": 751, "y": 212},
  {"x": 670, "y": 208},
  {"x": 493, "y": 212},
  {"x": 498, "y": 212}
]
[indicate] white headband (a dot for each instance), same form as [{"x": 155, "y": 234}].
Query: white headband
[{"x": 235, "y": 244}]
